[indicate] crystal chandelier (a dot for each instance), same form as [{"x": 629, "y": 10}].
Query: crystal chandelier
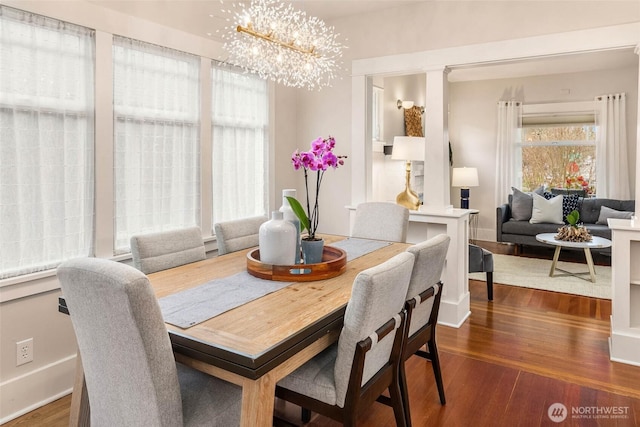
[{"x": 280, "y": 43}]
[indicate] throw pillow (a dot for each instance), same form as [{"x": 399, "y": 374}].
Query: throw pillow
[
  {"x": 522, "y": 204},
  {"x": 606, "y": 213},
  {"x": 570, "y": 202},
  {"x": 546, "y": 211}
]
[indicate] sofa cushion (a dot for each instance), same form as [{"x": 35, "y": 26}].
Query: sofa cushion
[
  {"x": 546, "y": 210},
  {"x": 590, "y": 208},
  {"x": 599, "y": 230},
  {"x": 525, "y": 228},
  {"x": 570, "y": 202},
  {"x": 522, "y": 204},
  {"x": 606, "y": 213}
]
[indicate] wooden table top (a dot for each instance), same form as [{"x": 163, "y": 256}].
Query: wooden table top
[{"x": 251, "y": 339}]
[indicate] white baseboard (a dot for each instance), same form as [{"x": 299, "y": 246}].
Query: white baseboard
[{"x": 36, "y": 388}]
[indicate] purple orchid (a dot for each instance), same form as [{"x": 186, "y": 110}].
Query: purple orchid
[{"x": 318, "y": 159}]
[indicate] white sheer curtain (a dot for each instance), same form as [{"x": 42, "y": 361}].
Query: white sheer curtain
[
  {"x": 46, "y": 150},
  {"x": 240, "y": 118},
  {"x": 508, "y": 134},
  {"x": 156, "y": 126},
  {"x": 612, "y": 167}
]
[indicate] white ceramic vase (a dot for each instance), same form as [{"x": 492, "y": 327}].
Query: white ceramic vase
[
  {"x": 277, "y": 241},
  {"x": 289, "y": 215}
]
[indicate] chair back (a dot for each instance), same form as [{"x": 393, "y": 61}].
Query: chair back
[
  {"x": 378, "y": 295},
  {"x": 167, "y": 249},
  {"x": 238, "y": 234},
  {"x": 381, "y": 221},
  {"x": 128, "y": 363},
  {"x": 427, "y": 270}
]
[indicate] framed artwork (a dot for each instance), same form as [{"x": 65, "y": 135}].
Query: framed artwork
[{"x": 413, "y": 121}]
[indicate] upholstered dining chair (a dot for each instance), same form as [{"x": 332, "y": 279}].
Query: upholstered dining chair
[
  {"x": 131, "y": 375},
  {"x": 423, "y": 305},
  {"x": 167, "y": 249},
  {"x": 481, "y": 261},
  {"x": 238, "y": 234},
  {"x": 347, "y": 377},
  {"x": 381, "y": 221}
]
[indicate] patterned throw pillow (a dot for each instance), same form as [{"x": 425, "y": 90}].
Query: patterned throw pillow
[{"x": 570, "y": 202}]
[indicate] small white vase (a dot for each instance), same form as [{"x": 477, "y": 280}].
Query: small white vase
[
  {"x": 277, "y": 241},
  {"x": 289, "y": 215}
]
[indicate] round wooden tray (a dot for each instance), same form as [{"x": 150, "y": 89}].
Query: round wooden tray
[{"x": 334, "y": 263}]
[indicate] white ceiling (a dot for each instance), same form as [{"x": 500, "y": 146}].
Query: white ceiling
[
  {"x": 204, "y": 17},
  {"x": 209, "y": 18}
]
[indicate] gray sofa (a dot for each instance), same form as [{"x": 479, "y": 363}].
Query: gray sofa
[{"x": 509, "y": 230}]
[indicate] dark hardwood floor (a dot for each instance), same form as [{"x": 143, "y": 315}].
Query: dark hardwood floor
[{"x": 508, "y": 363}]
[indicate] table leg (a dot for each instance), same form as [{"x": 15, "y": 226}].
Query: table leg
[
  {"x": 556, "y": 255},
  {"x": 592, "y": 270},
  {"x": 258, "y": 402},
  {"x": 79, "y": 412}
]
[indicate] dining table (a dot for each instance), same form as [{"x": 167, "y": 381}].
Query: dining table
[{"x": 255, "y": 344}]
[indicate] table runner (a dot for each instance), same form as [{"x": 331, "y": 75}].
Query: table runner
[
  {"x": 355, "y": 248},
  {"x": 192, "y": 306}
]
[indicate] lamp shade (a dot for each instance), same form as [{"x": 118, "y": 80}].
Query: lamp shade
[
  {"x": 465, "y": 177},
  {"x": 408, "y": 148}
]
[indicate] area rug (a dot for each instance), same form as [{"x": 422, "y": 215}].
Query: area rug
[{"x": 534, "y": 273}]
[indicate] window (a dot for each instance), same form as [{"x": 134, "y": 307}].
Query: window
[
  {"x": 47, "y": 143},
  {"x": 558, "y": 151},
  {"x": 156, "y": 132},
  {"x": 240, "y": 117}
]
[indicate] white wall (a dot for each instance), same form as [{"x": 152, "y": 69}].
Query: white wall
[{"x": 473, "y": 122}]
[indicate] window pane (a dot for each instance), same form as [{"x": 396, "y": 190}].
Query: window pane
[
  {"x": 571, "y": 167},
  {"x": 240, "y": 142},
  {"x": 46, "y": 149},
  {"x": 156, "y": 126},
  {"x": 559, "y": 133}
]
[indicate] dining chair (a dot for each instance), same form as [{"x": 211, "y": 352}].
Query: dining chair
[
  {"x": 347, "y": 377},
  {"x": 238, "y": 234},
  {"x": 167, "y": 249},
  {"x": 381, "y": 221},
  {"x": 131, "y": 375},
  {"x": 481, "y": 261},
  {"x": 423, "y": 304}
]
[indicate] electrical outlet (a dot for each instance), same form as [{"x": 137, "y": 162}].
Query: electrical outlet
[{"x": 24, "y": 351}]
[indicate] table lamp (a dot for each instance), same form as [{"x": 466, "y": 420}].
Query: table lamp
[
  {"x": 464, "y": 178},
  {"x": 408, "y": 148}
]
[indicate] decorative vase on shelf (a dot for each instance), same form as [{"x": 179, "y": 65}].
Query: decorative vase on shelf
[
  {"x": 277, "y": 241},
  {"x": 289, "y": 215},
  {"x": 312, "y": 251}
]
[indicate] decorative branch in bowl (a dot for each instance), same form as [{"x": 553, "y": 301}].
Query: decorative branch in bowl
[{"x": 573, "y": 232}]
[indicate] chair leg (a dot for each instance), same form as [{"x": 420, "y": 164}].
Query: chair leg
[
  {"x": 306, "y": 415},
  {"x": 437, "y": 372},
  {"x": 404, "y": 394},
  {"x": 400, "y": 405},
  {"x": 490, "y": 285}
]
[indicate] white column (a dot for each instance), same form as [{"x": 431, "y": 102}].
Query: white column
[
  {"x": 625, "y": 299},
  {"x": 436, "y": 163},
  {"x": 455, "y": 306},
  {"x": 360, "y": 156}
]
